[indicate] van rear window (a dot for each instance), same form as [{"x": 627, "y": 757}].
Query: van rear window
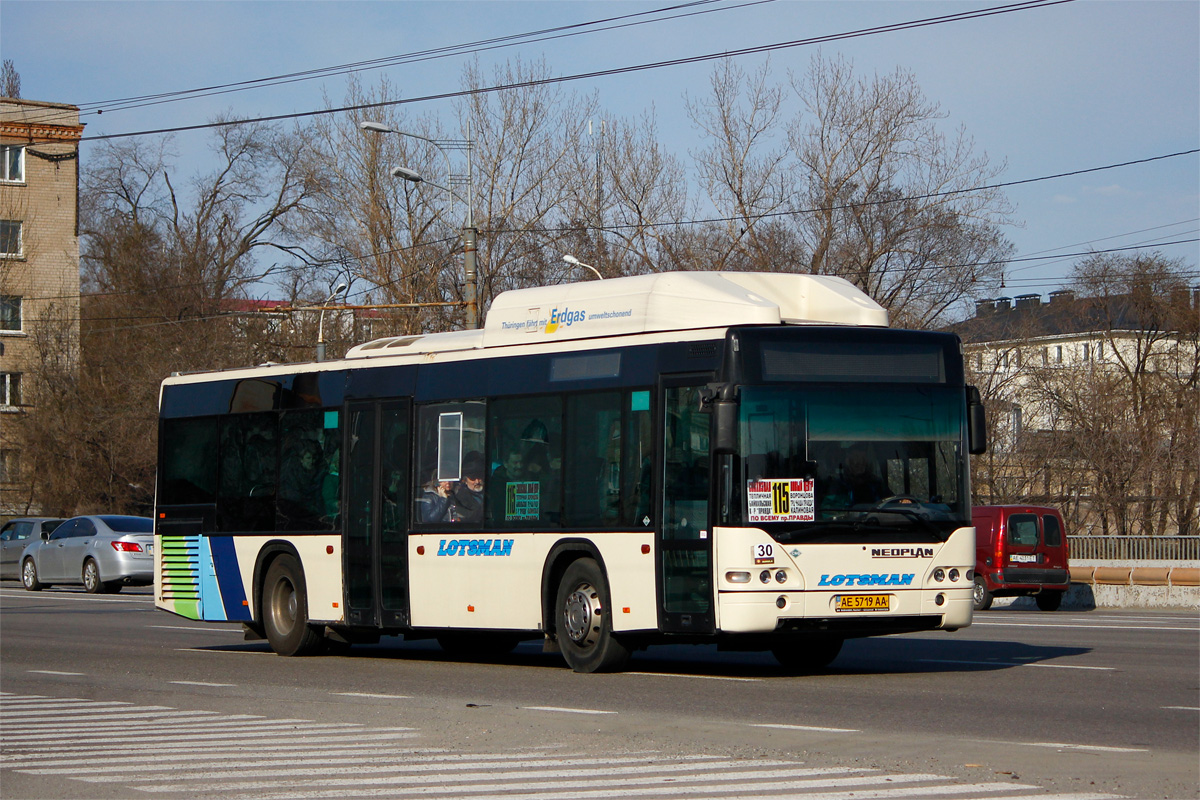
[
  {"x": 1023, "y": 530},
  {"x": 1052, "y": 531}
]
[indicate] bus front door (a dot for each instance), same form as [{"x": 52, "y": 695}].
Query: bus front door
[
  {"x": 685, "y": 547},
  {"x": 375, "y": 544}
]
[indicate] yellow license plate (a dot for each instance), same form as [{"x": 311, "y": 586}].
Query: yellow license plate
[{"x": 864, "y": 602}]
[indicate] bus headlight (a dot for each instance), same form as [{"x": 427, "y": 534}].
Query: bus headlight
[
  {"x": 954, "y": 575},
  {"x": 939, "y": 574},
  {"x": 765, "y": 576},
  {"x": 781, "y": 577}
]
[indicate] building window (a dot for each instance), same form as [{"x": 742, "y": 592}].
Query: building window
[
  {"x": 1045, "y": 356},
  {"x": 1058, "y": 354},
  {"x": 1087, "y": 352},
  {"x": 13, "y": 168},
  {"x": 9, "y": 466},
  {"x": 10, "y": 238},
  {"x": 10, "y": 389},
  {"x": 10, "y": 313}
]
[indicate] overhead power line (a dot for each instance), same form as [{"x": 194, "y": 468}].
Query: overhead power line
[{"x": 872, "y": 31}]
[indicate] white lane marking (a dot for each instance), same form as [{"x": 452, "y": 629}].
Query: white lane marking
[
  {"x": 193, "y": 629},
  {"x": 290, "y": 733},
  {"x": 1182, "y": 708},
  {"x": 80, "y": 595},
  {"x": 371, "y": 696},
  {"x": 724, "y": 792},
  {"x": 1080, "y": 627},
  {"x": 201, "y": 683},
  {"x": 548, "y": 767},
  {"x": 1008, "y": 664},
  {"x": 672, "y": 784},
  {"x": 564, "y": 710},
  {"x": 121, "y": 713},
  {"x": 1096, "y": 748},
  {"x": 86, "y": 754},
  {"x": 782, "y": 726},
  {"x": 700, "y": 677},
  {"x": 224, "y": 652},
  {"x": 53, "y": 672}
]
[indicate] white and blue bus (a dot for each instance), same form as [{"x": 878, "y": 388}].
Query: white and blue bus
[{"x": 749, "y": 459}]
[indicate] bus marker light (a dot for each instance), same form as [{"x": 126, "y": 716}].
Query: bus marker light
[
  {"x": 737, "y": 577},
  {"x": 335, "y": 605},
  {"x": 625, "y": 610},
  {"x": 329, "y": 549},
  {"x": 471, "y": 609},
  {"x": 420, "y": 549},
  {"x": 645, "y": 549},
  {"x": 245, "y": 602}
]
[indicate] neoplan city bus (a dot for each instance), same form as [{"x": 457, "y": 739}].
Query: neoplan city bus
[{"x": 754, "y": 460}]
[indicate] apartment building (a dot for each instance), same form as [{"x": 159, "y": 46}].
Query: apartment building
[{"x": 39, "y": 264}]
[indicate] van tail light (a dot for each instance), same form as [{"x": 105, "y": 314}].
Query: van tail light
[
  {"x": 126, "y": 547},
  {"x": 1000, "y": 534}
]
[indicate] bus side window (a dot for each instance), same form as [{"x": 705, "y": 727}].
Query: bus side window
[
  {"x": 449, "y": 444},
  {"x": 525, "y": 462}
]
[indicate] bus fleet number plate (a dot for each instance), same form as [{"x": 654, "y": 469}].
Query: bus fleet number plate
[{"x": 864, "y": 602}]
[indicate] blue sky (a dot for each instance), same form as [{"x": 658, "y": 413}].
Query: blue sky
[{"x": 1048, "y": 90}]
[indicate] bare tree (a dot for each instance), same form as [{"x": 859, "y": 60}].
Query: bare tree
[
  {"x": 10, "y": 80},
  {"x": 743, "y": 168},
  {"x": 1129, "y": 409},
  {"x": 888, "y": 201}
]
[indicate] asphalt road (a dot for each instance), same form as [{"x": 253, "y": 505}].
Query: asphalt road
[{"x": 107, "y": 697}]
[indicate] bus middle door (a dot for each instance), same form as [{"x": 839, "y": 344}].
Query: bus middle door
[
  {"x": 685, "y": 547},
  {"x": 375, "y": 543}
]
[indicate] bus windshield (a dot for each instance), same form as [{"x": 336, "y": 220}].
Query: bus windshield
[{"x": 853, "y": 463}]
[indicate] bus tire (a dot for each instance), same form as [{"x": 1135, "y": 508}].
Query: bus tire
[
  {"x": 1049, "y": 599},
  {"x": 285, "y": 609},
  {"x": 583, "y": 620},
  {"x": 803, "y": 656},
  {"x": 983, "y": 596}
]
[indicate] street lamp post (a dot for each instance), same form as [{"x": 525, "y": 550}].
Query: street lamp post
[
  {"x": 470, "y": 234},
  {"x": 341, "y": 287},
  {"x": 575, "y": 262}
]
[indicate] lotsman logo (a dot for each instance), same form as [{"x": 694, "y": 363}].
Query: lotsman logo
[
  {"x": 565, "y": 318},
  {"x": 475, "y": 547},
  {"x": 867, "y": 580}
]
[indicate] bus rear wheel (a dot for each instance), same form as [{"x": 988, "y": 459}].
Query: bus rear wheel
[
  {"x": 583, "y": 620},
  {"x": 285, "y": 610},
  {"x": 807, "y": 655}
]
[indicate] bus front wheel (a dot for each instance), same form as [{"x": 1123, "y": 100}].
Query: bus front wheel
[
  {"x": 285, "y": 609},
  {"x": 583, "y": 620}
]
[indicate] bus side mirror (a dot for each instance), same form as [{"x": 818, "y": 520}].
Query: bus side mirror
[
  {"x": 725, "y": 419},
  {"x": 976, "y": 423}
]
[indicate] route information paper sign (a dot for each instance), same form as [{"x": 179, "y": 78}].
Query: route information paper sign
[{"x": 781, "y": 500}]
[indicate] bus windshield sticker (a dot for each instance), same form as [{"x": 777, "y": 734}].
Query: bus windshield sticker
[
  {"x": 522, "y": 500},
  {"x": 781, "y": 500}
]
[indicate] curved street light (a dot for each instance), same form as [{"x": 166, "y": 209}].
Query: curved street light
[
  {"x": 575, "y": 262},
  {"x": 469, "y": 232},
  {"x": 341, "y": 287}
]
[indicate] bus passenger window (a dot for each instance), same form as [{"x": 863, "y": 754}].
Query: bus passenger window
[
  {"x": 450, "y": 464},
  {"x": 524, "y": 485},
  {"x": 248, "y": 470}
]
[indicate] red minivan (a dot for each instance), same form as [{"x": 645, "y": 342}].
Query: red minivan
[{"x": 1020, "y": 550}]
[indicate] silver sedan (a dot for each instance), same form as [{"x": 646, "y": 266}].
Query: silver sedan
[
  {"x": 103, "y": 553},
  {"x": 17, "y": 533}
]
